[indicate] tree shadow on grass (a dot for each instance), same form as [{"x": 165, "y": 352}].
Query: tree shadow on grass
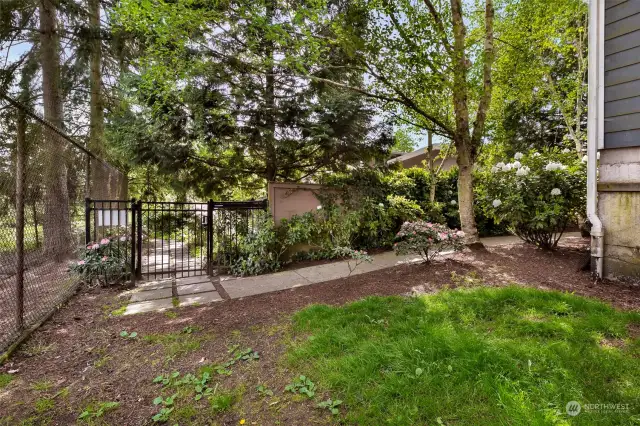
[{"x": 471, "y": 356}]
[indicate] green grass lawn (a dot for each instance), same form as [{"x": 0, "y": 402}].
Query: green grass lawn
[{"x": 472, "y": 356}]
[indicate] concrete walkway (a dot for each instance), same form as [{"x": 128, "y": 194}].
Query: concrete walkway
[
  {"x": 238, "y": 287},
  {"x": 249, "y": 286},
  {"x": 163, "y": 294},
  {"x": 166, "y": 294}
]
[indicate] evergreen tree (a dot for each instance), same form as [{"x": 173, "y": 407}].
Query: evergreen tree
[{"x": 219, "y": 105}]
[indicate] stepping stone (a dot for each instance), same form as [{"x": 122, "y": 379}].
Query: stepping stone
[
  {"x": 148, "y": 306},
  {"x": 153, "y": 285},
  {"x": 200, "y": 298},
  {"x": 195, "y": 288},
  {"x": 158, "y": 293},
  {"x": 193, "y": 280}
]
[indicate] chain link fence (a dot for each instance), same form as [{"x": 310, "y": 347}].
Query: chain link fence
[{"x": 45, "y": 176}]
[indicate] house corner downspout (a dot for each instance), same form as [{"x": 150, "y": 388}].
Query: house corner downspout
[{"x": 595, "y": 129}]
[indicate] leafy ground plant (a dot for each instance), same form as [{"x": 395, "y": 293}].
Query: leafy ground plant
[
  {"x": 126, "y": 335},
  {"x": 95, "y": 411},
  {"x": 166, "y": 407},
  {"x": 264, "y": 391},
  {"x": 331, "y": 405},
  {"x": 302, "y": 385},
  {"x": 237, "y": 354},
  {"x": 475, "y": 355}
]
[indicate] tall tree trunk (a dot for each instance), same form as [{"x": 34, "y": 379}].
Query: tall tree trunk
[
  {"x": 467, "y": 143},
  {"x": 465, "y": 197},
  {"x": 95, "y": 173},
  {"x": 21, "y": 130},
  {"x": 462, "y": 139},
  {"x": 57, "y": 225},
  {"x": 271, "y": 159}
]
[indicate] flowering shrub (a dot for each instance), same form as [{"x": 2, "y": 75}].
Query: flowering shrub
[
  {"x": 427, "y": 239},
  {"x": 105, "y": 261},
  {"x": 537, "y": 195}
]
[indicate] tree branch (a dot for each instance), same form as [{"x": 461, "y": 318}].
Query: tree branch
[
  {"x": 489, "y": 56},
  {"x": 407, "y": 101},
  {"x": 436, "y": 17}
]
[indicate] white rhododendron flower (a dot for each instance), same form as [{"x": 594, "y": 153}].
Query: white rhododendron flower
[
  {"x": 319, "y": 208},
  {"x": 523, "y": 171},
  {"x": 554, "y": 166},
  {"x": 518, "y": 155},
  {"x": 536, "y": 154},
  {"x": 507, "y": 167},
  {"x": 585, "y": 158},
  {"x": 500, "y": 165},
  {"x": 380, "y": 204},
  {"x": 495, "y": 169},
  {"x": 566, "y": 151},
  {"x": 497, "y": 203},
  {"x": 517, "y": 164},
  {"x": 454, "y": 202},
  {"x": 556, "y": 191}
]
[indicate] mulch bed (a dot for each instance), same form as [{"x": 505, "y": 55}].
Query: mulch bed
[{"x": 68, "y": 348}]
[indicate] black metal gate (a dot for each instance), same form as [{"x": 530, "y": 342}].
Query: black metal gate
[{"x": 174, "y": 239}]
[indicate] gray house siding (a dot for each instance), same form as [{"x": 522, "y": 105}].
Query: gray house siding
[{"x": 622, "y": 73}]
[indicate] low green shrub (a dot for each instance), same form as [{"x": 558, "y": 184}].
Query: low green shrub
[
  {"x": 324, "y": 233},
  {"x": 328, "y": 227},
  {"x": 260, "y": 250},
  {"x": 536, "y": 196},
  {"x": 363, "y": 190}
]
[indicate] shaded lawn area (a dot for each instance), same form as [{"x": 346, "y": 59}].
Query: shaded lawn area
[
  {"x": 479, "y": 356},
  {"x": 476, "y": 353}
]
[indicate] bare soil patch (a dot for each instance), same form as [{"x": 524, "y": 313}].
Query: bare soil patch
[{"x": 78, "y": 358}]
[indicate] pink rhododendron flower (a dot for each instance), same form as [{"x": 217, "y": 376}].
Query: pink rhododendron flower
[
  {"x": 95, "y": 246},
  {"x": 123, "y": 239},
  {"x": 105, "y": 258},
  {"x": 81, "y": 262},
  {"x": 104, "y": 241}
]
